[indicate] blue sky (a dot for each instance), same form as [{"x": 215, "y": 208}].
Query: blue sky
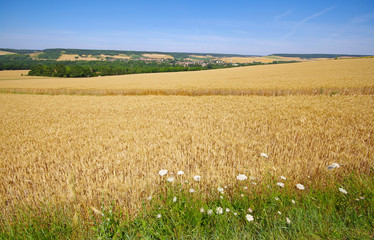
[{"x": 242, "y": 27}]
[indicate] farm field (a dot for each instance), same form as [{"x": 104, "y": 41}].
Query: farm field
[
  {"x": 82, "y": 154},
  {"x": 348, "y": 76},
  {"x": 82, "y": 149}
]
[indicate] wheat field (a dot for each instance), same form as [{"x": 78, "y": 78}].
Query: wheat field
[
  {"x": 86, "y": 150},
  {"x": 346, "y": 76},
  {"x": 83, "y": 150}
]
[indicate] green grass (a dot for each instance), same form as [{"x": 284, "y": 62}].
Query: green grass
[{"x": 318, "y": 213}]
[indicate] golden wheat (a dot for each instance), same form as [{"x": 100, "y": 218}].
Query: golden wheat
[
  {"x": 83, "y": 150},
  {"x": 348, "y": 76}
]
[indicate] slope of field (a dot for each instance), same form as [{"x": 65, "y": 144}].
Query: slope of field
[
  {"x": 17, "y": 75},
  {"x": 76, "y": 57},
  {"x": 158, "y": 56},
  {"x": 5, "y": 53},
  {"x": 348, "y": 76},
  {"x": 83, "y": 150}
]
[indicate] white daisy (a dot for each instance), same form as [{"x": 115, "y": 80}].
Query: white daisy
[
  {"x": 343, "y": 190},
  {"x": 192, "y": 190},
  {"x": 241, "y": 177},
  {"x": 280, "y": 184},
  {"x": 202, "y": 210},
  {"x": 196, "y": 178},
  {"x": 283, "y": 178},
  {"x": 249, "y": 217},
  {"x": 163, "y": 172},
  {"x": 180, "y": 173},
  {"x": 300, "y": 186},
  {"x": 264, "y": 155},
  {"x": 288, "y": 220},
  {"x": 158, "y": 215},
  {"x": 174, "y": 199},
  {"x": 227, "y": 209},
  {"x": 250, "y": 210},
  {"x": 220, "y": 189},
  {"x": 219, "y": 210},
  {"x": 332, "y": 166},
  {"x": 210, "y": 212}
]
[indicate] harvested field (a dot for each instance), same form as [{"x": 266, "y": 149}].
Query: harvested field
[
  {"x": 158, "y": 56},
  {"x": 17, "y": 75},
  {"x": 76, "y": 57},
  {"x": 83, "y": 150},
  {"x": 5, "y": 53},
  {"x": 348, "y": 76}
]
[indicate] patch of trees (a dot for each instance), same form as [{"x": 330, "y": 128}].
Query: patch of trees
[
  {"x": 20, "y": 51},
  {"x": 51, "y": 54},
  {"x": 99, "y": 68}
]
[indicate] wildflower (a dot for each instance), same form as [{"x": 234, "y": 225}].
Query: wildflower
[
  {"x": 225, "y": 187},
  {"x": 242, "y": 195},
  {"x": 288, "y": 220},
  {"x": 276, "y": 198},
  {"x": 264, "y": 155},
  {"x": 236, "y": 214},
  {"x": 300, "y": 186},
  {"x": 245, "y": 188},
  {"x": 170, "y": 179},
  {"x": 221, "y": 197},
  {"x": 283, "y": 178},
  {"x": 280, "y": 184},
  {"x": 158, "y": 215},
  {"x": 332, "y": 166},
  {"x": 279, "y": 213},
  {"x": 227, "y": 209},
  {"x": 163, "y": 172},
  {"x": 253, "y": 183},
  {"x": 219, "y": 210},
  {"x": 192, "y": 190},
  {"x": 343, "y": 190},
  {"x": 149, "y": 198},
  {"x": 249, "y": 217},
  {"x": 250, "y": 210},
  {"x": 252, "y": 178},
  {"x": 196, "y": 178},
  {"x": 202, "y": 210},
  {"x": 180, "y": 173},
  {"x": 362, "y": 198},
  {"x": 293, "y": 201},
  {"x": 174, "y": 199},
  {"x": 220, "y": 189},
  {"x": 241, "y": 177},
  {"x": 186, "y": 181},
  {"x": 210, "y": 212}
]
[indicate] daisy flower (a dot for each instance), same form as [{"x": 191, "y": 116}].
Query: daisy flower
[
  {"x": 163, "y": 172},
  {"x": 300, "y": 186},
  {"x": 249, "y": 217}
]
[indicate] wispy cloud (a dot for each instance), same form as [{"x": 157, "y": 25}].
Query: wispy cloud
[
  {"x": 285, "y": 14},
  {"x": 301, "y": 22}
]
